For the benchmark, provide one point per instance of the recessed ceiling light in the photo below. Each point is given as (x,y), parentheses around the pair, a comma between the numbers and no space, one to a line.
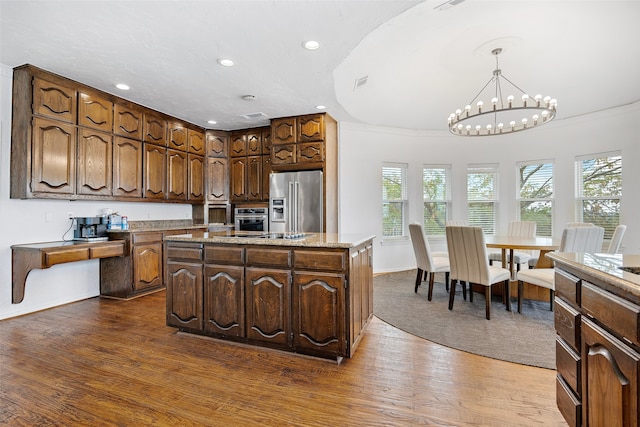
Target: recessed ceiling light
(122,86)
(311,45)
(321,107)
(212,122)
(225,62)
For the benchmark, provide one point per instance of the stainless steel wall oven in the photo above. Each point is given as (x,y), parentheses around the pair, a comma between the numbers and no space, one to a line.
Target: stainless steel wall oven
(251,219)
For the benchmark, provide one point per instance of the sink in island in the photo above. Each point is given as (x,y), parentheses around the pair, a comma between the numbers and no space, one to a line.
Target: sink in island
(309,294)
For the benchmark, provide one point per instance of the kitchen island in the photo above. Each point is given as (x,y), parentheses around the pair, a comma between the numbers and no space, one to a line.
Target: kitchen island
(597,320)
(310,294)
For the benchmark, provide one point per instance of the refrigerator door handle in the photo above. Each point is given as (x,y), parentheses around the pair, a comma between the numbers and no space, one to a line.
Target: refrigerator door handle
(296,187)
(291,208)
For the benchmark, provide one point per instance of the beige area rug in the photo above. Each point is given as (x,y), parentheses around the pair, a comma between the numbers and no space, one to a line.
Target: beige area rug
(527,338)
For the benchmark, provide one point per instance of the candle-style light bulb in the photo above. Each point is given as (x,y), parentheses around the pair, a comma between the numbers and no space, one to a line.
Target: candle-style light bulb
(510,99)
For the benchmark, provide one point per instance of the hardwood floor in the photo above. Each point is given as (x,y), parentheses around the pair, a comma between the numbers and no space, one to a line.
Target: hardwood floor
(108,362)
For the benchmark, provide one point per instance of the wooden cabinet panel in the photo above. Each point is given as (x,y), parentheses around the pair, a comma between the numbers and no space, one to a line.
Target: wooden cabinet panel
(217,144)
(310,152)
(94,162)
(155,129)
(217,179)
(320,260)
(65,255)
(272,257)
(266,140)
(54,100)
(224,300)
(254,178)
(95,112)
(195,177)
(311,128)
(567,323)
(184,295)
(177,175)
(283,154)
(266,171)
(238,144)
(224,255)
(238,179)
(319,313)
(54,157)
(195,142)
(254,143)
(567,287)
(268,295)
(154,171)
(147,266)
(568,365)
(127,167)
(283,131)
(127,122)
(569,405)
(177,137)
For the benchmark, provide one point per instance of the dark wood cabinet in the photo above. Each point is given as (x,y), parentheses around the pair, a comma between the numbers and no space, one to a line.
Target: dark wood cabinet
(176,175)
(195,178)
(223,298)
(127,121)
(184,295)
(238,144)
(254,178)
(154,129)
(311,128)
(217,144)
(195,142)
(177,136)
(147,264)
(94,162)
(95,112)
(254,142)
(217,180)
(238,169)
(54,157)
(268,313)
(246,171)
(266,171)
(54,100)
(304,142)
(127,167)
(284,131)
(155,180)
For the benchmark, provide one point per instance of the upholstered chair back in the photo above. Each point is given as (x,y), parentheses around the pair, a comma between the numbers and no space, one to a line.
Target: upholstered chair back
(421,248)
(582,239)
(468,254)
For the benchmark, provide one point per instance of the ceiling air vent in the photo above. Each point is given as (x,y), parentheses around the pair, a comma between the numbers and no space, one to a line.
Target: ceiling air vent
(360,82)
(254,116)
(446,5)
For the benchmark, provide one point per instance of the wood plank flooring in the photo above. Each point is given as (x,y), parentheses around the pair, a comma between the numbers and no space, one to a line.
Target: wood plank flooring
(115,363)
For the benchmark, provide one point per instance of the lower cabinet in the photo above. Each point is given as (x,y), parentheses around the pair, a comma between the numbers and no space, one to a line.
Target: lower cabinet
(307,300)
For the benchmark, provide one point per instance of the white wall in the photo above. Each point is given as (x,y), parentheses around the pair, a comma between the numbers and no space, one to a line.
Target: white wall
(29,221)
(364,148)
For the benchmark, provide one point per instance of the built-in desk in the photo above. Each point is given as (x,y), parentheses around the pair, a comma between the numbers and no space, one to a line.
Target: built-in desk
(27,257)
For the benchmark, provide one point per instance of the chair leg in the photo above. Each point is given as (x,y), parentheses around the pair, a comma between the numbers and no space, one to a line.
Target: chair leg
(551,297)
(487,294)
(430,294)
(418,280)
(520,291)
(507,285)
(446,281)
(464,291)
(452,292)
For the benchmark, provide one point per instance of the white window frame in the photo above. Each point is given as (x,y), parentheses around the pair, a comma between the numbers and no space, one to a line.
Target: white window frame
(403,201)
(541,231)
(489,227)
(442,197)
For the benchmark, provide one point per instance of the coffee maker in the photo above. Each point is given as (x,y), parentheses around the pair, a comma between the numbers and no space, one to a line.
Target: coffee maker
(90,229)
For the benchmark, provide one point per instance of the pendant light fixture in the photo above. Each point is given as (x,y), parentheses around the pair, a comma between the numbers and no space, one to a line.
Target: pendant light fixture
(501,116)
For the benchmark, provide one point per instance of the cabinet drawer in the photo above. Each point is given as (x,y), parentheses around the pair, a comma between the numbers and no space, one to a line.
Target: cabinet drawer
(568,287)
(67,255)
(190,252)
(146,237)
(107,251)
(270,257)
(316,260)
(568,365)
(620,316)
(567,323)
(224,255)
(568,404)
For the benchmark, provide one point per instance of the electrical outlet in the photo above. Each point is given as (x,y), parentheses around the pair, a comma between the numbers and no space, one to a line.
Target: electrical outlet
(70,215)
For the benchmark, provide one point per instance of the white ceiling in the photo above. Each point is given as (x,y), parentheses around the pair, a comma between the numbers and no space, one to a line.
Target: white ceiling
(421,63)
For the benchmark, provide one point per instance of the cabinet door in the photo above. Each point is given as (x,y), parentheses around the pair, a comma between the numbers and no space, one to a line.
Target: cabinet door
(217,179)
(309,152)
(360,291)
(195,142)
(266,171)
(217,144)
(238,179)
(238,144)
(254,143)
(147,266)
(283,131)
(268,295)
(254,178)
(177,137)
(127,122)
(54,100)
(155,130)
(95,112)
(196,177)
(283,154)
(266,141)
(184,295)
(224,300)
(311,128)
(177,175)
(610,375)
(319,313)
(127,167)
(94,162)
(54,157)
(154,171)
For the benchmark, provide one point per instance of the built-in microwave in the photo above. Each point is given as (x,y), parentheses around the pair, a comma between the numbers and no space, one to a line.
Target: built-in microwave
(251,219)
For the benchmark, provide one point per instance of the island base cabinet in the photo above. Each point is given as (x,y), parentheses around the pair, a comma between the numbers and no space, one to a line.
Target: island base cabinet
(184,296)
(268,314)
(611,374)
(224,300)
(318,314)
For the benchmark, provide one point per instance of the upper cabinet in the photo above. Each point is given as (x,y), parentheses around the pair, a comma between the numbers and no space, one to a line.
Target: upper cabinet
(283,131)
(302,142)
(71,141)
(217,143)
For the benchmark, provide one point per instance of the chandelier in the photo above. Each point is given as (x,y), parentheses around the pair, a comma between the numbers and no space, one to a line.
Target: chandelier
(500,117)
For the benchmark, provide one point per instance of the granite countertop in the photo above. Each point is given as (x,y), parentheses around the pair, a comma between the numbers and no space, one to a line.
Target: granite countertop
(605,267)
(314,240)
(160,225)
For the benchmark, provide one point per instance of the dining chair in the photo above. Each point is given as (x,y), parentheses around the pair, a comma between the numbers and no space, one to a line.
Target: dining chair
(534,261)
(616,239)
(517,229)
(427,261)
(574,239)
(469,263)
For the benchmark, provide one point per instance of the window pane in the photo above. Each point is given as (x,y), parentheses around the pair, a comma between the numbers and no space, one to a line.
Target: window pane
(483,215)
(535,195)
(540,212)
(435,218)
(392,219)
(436,194)
(482,193)
(603,213)
(394,199)
(602,177)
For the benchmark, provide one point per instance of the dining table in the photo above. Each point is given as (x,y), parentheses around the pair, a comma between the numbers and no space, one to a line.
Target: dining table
(511,243)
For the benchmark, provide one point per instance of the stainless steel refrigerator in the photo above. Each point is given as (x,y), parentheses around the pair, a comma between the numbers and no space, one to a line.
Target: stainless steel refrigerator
(296,202)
